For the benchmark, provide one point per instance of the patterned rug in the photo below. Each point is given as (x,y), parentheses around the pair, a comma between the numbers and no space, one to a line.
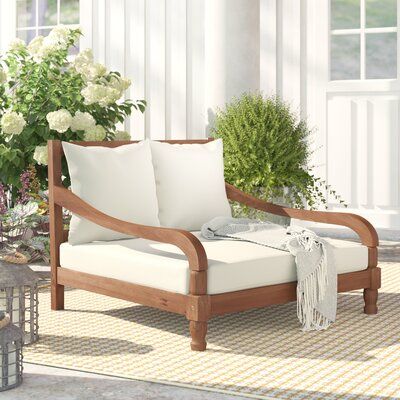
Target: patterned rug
(260,353)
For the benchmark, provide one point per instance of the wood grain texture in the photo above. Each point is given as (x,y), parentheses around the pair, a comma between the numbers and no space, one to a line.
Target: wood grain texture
(117,143)
(372,256)
(358,224)
(168,301)
(198,282)
(56,223)
(371,301)
(278,294)
(198,308)
(198,332)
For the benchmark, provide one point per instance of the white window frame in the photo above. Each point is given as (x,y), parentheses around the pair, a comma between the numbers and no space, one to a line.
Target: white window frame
(8,23)
(36,28)
(364,84)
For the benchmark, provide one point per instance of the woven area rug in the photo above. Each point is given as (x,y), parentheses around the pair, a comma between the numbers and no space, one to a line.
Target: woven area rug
(260,353)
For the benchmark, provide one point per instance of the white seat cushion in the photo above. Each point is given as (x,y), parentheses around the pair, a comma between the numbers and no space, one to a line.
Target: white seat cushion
(232,266)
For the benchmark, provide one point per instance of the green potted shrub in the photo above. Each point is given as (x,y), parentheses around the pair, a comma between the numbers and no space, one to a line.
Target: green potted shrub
(267,152)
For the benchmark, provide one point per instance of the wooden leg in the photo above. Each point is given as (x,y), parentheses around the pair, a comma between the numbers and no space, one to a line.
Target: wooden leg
(198,331)
(57,297)
(370,300)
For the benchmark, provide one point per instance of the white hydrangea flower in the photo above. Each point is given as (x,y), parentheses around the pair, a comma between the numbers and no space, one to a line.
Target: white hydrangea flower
(58,35)
(84,57)
(103,95)
(40,155)
(38,48)
(122,135)
(85,66)
(90,72)
(46,50)
(83,60)
(12,123)
(120,84)
(93,93)
(59,120)
(41,47)
(17,44)
(112,95)
(35,44)
(82,121)
(3,76)
(95,134)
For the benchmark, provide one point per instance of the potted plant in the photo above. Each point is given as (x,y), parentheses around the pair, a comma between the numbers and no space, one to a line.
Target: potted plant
(267,152)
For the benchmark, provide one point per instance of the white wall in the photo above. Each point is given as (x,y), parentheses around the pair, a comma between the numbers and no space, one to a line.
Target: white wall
(184,57)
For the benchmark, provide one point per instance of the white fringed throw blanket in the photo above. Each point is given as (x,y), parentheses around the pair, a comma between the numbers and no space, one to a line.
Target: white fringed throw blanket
(316,271)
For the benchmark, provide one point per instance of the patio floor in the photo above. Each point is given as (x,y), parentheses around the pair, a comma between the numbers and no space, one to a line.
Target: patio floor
(47,383)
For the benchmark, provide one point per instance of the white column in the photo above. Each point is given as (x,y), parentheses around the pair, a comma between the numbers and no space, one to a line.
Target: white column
(268,47)
(8,23)
(195,69)
(135,62)
(232,47)
(86,20)
(155,69)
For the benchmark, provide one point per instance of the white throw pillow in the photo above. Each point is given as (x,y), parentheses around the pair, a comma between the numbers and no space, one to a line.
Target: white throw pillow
(117,181)
(190,183)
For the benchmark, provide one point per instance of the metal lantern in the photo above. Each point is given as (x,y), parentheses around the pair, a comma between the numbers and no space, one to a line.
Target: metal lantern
(19,298)
(11,342)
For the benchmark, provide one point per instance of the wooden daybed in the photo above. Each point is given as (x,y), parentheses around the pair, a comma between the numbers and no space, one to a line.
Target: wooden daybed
(197,305)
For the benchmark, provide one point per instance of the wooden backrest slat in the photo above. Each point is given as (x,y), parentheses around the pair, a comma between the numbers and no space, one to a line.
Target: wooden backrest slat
(117,143)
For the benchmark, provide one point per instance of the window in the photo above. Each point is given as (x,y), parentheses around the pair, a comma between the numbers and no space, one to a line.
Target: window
(38,17)
(363,39)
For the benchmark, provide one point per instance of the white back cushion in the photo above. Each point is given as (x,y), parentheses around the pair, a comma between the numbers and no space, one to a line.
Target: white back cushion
(118,181)
(190,183)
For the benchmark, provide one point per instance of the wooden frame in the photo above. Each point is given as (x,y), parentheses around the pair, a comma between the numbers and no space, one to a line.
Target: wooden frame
(197,306)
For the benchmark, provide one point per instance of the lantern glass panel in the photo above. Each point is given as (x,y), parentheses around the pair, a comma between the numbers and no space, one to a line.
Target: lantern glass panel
(11,357)
(21,303)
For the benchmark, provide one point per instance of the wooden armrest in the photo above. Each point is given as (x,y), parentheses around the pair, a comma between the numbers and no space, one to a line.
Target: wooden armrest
(360,225)
(186,241)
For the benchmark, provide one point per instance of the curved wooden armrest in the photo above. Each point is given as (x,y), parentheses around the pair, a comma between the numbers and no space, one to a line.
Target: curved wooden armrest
(186,241)
(360,225)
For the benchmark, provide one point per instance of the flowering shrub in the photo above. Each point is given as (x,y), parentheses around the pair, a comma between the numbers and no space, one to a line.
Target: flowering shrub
(46,95)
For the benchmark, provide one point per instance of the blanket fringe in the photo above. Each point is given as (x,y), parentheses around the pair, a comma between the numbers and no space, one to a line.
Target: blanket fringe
(310,292)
